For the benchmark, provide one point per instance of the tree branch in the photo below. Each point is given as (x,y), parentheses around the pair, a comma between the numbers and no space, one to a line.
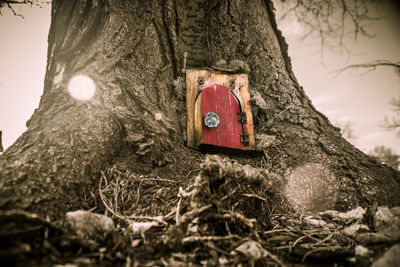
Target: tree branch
(331,20)
(370,66)
(10,3)
(393,124)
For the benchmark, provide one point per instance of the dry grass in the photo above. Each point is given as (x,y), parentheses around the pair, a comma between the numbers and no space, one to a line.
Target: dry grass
(221,213)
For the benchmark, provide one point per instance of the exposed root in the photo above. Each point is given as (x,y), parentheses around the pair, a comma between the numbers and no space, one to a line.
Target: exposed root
(191,239)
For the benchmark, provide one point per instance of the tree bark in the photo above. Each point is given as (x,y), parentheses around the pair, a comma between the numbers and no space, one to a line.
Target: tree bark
(133,50)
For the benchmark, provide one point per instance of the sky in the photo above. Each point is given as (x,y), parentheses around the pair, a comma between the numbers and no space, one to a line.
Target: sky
(354,96)
(23,56)
(362,100)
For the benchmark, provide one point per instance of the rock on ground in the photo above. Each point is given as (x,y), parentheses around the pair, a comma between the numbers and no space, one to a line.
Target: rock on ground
(387,223)
(390,259)
(89,225)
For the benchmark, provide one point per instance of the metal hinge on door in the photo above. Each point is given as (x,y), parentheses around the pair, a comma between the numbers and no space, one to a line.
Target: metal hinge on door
(242,117)
(245,139)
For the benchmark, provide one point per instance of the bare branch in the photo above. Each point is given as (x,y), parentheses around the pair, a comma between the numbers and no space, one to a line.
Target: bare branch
(10,3)
(375,64)
(393,124)
(331,20)
(370,66)
(13,11)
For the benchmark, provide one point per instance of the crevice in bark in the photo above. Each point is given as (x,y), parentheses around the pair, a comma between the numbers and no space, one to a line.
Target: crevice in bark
(193,28)
(171,25)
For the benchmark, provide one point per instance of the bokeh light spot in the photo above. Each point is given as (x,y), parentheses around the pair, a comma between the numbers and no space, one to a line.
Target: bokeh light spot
(81,87)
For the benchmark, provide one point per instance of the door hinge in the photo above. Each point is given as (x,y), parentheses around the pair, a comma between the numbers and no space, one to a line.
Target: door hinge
(242,117)
(245,139)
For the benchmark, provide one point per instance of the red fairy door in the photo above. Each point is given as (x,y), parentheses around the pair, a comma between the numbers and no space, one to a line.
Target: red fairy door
(219,117)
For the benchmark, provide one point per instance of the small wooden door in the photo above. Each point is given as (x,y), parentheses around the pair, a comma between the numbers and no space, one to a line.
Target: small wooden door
(221,103)
(225,100)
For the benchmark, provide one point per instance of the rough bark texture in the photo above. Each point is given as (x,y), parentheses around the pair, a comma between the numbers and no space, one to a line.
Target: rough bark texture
(133,50)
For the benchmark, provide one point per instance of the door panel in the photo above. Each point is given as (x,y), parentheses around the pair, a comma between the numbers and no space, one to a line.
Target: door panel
(220,100)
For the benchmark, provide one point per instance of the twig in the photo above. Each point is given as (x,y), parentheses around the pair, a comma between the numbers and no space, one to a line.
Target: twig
(178,207)
(116,191)
(228,230)
(298,240)
(170,214)
(323,240)
(165,262)
(188,216)
(184,193)
(138,192)
(275,258)
(228,195)
(276,116)
(277,231)
(191,239)
(159,219)
(319,249)
(311,235)
(12,9)
(120,216)
(187,175)
(237,216)
(160,179)
(254,196)
(370,65)
(104,201)
(211,245)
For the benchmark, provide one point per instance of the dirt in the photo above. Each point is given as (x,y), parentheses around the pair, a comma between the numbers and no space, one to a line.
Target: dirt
(194,210)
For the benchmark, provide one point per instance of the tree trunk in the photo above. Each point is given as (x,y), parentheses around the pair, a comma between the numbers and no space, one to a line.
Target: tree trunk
(133,50)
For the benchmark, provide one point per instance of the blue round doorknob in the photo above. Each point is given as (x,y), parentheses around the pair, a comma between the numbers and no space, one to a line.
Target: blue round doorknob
(211,120)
